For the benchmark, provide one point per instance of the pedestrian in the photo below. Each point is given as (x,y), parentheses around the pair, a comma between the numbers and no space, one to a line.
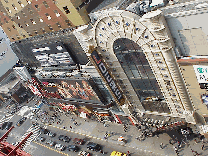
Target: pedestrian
(170,141)
(71,127)
(179,144)
(63,127)
(175,149)
(161,145)
(128,152)
(195,140)
(202,146)
(202,140)
(196,153)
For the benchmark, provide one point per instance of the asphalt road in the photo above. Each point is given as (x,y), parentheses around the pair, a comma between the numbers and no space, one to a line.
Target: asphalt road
(37,148)
(106,147)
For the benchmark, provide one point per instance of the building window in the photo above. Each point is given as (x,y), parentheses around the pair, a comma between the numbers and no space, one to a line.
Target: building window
(67,11)
(26,24)
(15,8)
(43,30)
(22,5)
(20,25)
(31,12)
(48,16)
(59,26)
(23,13)
(55,2)
(8,10)
(33,21)
(41,20)
(29,2)
(35,31)
(45,4)
(13,27)
(57,13)
(68,22)
(50,27)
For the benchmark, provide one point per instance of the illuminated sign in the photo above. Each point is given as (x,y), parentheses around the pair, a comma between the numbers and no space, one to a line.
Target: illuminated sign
(107,76)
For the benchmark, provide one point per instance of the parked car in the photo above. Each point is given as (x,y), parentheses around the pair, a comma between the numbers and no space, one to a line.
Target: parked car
(45,131)
(51,143)
(61,137)
(42,139)
(20,122)
(67,139)
(51,134)
(60,147)
(93,146)
(73,148)
(9,125)
(78,141)
(3,125)
(64,138)
(84,153)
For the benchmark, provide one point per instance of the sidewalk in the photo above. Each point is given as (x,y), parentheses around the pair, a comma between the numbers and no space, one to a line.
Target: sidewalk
(150,146)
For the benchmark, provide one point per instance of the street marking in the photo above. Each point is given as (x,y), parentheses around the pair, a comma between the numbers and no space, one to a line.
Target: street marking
(87,136)
(50,148)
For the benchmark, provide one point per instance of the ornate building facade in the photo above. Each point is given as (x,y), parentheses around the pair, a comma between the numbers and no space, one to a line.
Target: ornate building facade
(139,54)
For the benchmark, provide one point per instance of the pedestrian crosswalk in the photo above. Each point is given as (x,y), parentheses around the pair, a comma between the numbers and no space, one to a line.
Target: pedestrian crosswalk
(35,129)
(6,118)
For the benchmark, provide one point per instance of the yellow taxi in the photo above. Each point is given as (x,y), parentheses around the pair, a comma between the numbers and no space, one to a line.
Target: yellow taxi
(115,153)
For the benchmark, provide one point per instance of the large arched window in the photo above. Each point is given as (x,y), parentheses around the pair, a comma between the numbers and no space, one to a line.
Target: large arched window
(139,73)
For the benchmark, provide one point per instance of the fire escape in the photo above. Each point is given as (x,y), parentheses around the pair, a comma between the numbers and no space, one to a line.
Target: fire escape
(6,149)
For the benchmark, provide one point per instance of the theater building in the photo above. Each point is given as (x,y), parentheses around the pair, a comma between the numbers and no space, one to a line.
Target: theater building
(138,54)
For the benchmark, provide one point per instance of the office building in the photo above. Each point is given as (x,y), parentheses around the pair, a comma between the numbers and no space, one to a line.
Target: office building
(25,18)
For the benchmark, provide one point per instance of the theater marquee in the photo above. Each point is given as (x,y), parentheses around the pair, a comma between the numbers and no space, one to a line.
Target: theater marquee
(105,74)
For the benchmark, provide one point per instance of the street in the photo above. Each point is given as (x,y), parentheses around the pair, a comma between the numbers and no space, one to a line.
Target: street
(90,131)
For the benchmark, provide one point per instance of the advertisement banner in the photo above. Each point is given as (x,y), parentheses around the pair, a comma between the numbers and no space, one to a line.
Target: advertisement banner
(201,73)
(78,89)
(107,76)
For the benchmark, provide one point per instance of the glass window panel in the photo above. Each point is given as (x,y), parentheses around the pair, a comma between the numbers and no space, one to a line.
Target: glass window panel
(142,71)
(142,58)
(137,69)
(149,72)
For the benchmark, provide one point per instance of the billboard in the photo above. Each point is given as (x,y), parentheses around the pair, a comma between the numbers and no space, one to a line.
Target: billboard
(201,73)
(78,89)
(105,74)
(53,55)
